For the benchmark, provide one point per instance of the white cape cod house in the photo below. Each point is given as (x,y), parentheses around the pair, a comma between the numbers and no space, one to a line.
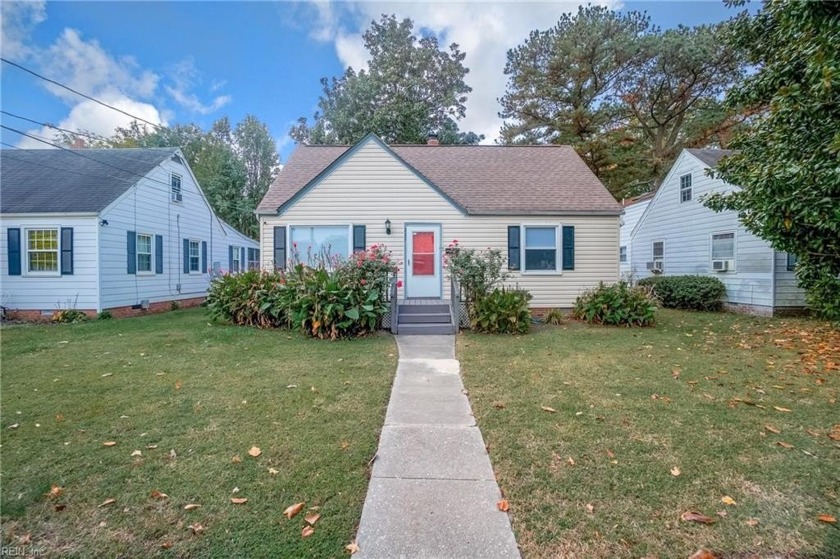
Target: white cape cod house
(125,230)
(540,205)
(678,235)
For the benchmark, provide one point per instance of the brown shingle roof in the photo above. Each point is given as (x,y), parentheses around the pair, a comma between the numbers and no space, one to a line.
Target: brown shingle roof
(494,180)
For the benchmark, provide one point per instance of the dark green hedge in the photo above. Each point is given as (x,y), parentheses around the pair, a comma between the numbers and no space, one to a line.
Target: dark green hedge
(696,293)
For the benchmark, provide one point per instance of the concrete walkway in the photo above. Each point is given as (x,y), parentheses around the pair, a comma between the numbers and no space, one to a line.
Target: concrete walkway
(432,492)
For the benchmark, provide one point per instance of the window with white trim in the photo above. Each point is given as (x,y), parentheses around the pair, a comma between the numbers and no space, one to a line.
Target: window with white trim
(319,243)
(144,253)
(42,251)
(685,188)
(540,246)
(195,256)
(235,261)
(723,246)
(792,259)
(659,251)
(622,254)
(175,183)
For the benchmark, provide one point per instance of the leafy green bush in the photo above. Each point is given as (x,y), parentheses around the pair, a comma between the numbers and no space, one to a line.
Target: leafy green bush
(554,316)
(331,299)
(697,293)
(104,315)
(174,305)
(502,311)
(69,316)
(477,272)
(617,304)
(251,298)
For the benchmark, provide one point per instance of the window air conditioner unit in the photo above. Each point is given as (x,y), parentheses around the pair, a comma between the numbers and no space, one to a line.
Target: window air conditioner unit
(655,266)
(721,265)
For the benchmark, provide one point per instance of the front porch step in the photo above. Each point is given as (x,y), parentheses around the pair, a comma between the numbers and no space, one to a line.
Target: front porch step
(424,308)
(425,318)
(424,329)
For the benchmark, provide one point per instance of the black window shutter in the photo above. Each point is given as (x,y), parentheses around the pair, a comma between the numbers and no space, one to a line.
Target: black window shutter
(186,256)
(359,242)
(568,247)
(66,251)
(158,254)
(13,236)
(514,232)
(279,248)
(203,257)
(230,258)
(131,243)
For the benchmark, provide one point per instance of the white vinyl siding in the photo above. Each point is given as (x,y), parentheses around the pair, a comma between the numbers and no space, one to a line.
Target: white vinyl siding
(52,291)
(632,213)
(686,228)
(788,292)
(144,253)
(372,186)
(42,251)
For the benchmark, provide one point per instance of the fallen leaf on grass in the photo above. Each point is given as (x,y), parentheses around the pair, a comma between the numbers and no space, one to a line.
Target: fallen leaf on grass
(156,494)
(196,528)
(772,429)
(55,491)
(499,405)
(14,425)
(166,545)
(109,443)
(273,472)
(727,500)
(548,409)
(25,539)
(107,502)
(191,506)
(827,518)
(503,505)
(307,531)
(777,408)
(571,461)
(136,453)
(291,511)
(254,451)
(697,517)
(590,507)
(344,445)
(610,453)
(675,471)
(236,460)
(178,385)
(106,375)
(151,446)
(352,547)
(722,513)
(703,554)
(312,518)
(784,444)
(751,522)
(834,434)
(238,500)
(812,432)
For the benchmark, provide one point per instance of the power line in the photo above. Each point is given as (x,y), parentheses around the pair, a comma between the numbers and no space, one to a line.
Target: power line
(95,100)
(54,127)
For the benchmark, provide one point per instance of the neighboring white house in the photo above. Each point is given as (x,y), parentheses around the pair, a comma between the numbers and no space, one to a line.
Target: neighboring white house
(678,235)
(633,210)
(541,205)
(117,229)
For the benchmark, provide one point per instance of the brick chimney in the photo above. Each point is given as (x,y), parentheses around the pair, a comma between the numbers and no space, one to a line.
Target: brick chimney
(432,140)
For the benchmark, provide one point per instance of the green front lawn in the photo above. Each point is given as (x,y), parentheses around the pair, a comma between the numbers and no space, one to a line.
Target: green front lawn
(192,398)
(699,394)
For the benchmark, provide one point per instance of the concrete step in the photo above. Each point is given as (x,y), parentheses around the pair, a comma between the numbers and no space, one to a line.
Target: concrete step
(418,318)
(424,308)
(423,329)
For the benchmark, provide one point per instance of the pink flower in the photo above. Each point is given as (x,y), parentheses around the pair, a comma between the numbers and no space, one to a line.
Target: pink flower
(363,282)
(399,283)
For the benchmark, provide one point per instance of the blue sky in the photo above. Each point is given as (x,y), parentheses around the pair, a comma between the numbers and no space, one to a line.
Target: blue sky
(179,62)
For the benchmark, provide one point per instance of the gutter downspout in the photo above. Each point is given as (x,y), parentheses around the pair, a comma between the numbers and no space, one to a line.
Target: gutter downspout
(773,281)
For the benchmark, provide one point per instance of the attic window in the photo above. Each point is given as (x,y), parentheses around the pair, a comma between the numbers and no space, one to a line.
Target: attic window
(177,159)
(175,183)
(685,188)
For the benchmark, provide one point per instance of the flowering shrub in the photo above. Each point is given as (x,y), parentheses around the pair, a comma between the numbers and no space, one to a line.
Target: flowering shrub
(477,272)
(333,298)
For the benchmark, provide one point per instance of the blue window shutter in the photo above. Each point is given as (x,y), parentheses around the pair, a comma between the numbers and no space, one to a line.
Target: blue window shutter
(514,233)
(203,257)
(66,251)
(279,248)
(230,258)
(158,254)
(568,247)
(131,243)
(243,264)
(13,236)
(359,242)
(186,256)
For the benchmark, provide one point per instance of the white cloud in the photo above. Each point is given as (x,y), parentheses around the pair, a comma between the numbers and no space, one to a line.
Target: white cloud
(89,116)
(484,30)
(184,76)
(17,20)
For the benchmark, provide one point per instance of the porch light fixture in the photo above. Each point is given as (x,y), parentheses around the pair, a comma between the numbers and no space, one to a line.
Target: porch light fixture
(387,226)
